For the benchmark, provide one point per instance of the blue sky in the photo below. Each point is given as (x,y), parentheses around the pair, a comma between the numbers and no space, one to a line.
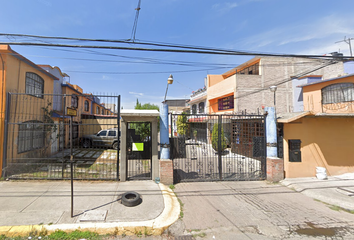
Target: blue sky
(272,26)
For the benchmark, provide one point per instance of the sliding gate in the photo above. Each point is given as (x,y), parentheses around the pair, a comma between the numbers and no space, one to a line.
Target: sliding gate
(218,147)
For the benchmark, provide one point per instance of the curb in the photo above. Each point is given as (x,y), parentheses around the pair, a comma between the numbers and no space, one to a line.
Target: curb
(156,226)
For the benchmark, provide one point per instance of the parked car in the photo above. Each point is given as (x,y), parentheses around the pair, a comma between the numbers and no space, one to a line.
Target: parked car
(104,138)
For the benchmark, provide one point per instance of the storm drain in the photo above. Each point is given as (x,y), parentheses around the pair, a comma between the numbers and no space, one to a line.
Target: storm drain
(94,216)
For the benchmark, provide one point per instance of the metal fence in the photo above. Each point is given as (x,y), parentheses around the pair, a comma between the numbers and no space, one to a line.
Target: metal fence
(218,147)
(41,138)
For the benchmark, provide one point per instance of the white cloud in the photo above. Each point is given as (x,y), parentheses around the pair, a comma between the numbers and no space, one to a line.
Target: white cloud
(225,7)
(136,94)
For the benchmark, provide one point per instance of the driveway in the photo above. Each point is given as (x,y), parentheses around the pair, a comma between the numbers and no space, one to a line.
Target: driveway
(258,210)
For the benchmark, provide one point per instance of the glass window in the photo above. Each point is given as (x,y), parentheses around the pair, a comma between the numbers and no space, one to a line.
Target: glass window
(97,110)
(31,136)
(112,133)
(226,103)
(87,106)
(102,111)
(339,92)
(102,133)
(34,85)
(201,107)
(194,109)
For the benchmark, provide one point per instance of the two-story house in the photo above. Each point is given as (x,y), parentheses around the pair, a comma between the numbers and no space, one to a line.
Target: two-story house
(246,87)
(25,109)
(322,134)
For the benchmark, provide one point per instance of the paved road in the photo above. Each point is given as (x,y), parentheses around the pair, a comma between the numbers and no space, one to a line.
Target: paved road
(258,210)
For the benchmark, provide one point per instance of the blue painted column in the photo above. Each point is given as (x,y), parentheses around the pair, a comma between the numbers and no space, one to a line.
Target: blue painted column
(164,136)
(271,130)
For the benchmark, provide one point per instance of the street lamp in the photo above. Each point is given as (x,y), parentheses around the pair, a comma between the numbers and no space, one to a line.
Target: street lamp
(273,89)
(169,81)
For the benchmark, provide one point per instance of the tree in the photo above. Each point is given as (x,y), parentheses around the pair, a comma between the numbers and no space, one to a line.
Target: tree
(182,125)
(215,138)
(143,129)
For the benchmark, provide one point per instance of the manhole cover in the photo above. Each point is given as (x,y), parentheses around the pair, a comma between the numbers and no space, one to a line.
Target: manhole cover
(94,216)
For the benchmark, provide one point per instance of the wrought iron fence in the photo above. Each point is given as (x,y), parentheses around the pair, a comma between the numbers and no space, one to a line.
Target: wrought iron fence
(41,136)
(218,147)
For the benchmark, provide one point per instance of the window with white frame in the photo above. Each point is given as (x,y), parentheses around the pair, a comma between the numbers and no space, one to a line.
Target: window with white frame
(339,92)
(194,109)
(34,85)
(201,107)
(30,136)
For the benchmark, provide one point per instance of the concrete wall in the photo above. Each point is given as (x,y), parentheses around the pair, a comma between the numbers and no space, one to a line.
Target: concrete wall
(325,142)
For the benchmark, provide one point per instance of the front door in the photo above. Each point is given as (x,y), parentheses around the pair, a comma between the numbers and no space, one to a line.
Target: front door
(139,151)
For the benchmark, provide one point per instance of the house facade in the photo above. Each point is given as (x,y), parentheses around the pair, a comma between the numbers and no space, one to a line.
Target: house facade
(321,135)
(20,75)
(246,87)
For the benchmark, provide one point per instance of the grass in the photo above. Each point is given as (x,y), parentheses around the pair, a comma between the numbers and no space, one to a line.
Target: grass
(335,207)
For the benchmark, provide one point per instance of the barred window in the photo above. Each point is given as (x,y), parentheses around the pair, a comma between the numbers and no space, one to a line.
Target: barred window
(87,106)
(34,85)
(201,107)
(339,92)
(31,136)
(194,109)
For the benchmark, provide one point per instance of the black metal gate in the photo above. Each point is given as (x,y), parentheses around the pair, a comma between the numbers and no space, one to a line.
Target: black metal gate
(41,136)
(139,154)
(218,147)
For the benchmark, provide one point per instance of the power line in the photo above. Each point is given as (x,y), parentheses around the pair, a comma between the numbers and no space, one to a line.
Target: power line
(191,49)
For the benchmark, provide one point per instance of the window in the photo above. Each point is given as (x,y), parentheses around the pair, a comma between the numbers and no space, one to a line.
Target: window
(339,92)
(102,111)
(102,133)
(74,101)
(251,70)
(294,150)
(34,85)
(226,103)
(75,130)
(31,136)
(97,110)
(201,107)
(87,106)
(194,109)
(112,133)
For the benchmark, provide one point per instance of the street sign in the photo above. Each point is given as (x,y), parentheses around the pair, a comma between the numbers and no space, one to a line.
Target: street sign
(70,111)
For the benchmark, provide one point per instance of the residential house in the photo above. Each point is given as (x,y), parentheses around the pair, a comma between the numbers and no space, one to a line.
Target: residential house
(321,135)
(245,88)
(25,109)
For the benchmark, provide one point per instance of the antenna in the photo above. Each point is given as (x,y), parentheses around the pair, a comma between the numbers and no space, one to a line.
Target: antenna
(347,40)
(132,38)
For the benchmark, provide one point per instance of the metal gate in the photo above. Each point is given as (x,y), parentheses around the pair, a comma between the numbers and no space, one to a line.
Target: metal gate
(218,147)
(43,131)
(139,154)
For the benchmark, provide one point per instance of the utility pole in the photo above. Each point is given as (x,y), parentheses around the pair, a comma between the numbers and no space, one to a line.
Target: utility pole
(347,40)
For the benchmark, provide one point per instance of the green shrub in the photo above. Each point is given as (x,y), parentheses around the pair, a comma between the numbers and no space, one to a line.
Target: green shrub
(215,137)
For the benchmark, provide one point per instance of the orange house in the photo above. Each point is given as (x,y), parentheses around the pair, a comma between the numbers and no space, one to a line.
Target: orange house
(20,75)
(322,135)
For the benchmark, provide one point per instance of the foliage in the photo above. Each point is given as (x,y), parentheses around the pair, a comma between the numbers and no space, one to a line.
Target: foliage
(143,129)
(215,138)
(77,234)
(182,125)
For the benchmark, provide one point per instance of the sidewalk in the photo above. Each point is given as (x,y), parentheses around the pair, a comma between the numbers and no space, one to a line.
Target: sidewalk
(25,206)
(336,190)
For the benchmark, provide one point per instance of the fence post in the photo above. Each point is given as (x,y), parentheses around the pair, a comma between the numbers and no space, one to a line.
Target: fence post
(7,116)
(219,146)
(119,135)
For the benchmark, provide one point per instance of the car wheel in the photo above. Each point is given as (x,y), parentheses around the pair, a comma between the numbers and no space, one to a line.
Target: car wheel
(86,143)
(115,145)
(131,199)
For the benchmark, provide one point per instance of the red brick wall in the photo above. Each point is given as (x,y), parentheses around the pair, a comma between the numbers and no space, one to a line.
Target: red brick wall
(275,169)
(166,172)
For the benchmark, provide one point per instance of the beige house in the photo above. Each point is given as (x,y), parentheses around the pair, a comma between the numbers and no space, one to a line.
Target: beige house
(322,135)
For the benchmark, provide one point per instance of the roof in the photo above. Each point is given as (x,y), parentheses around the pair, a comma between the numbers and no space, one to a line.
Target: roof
(240,67)
(290,117)
(327,80)
(7,49)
